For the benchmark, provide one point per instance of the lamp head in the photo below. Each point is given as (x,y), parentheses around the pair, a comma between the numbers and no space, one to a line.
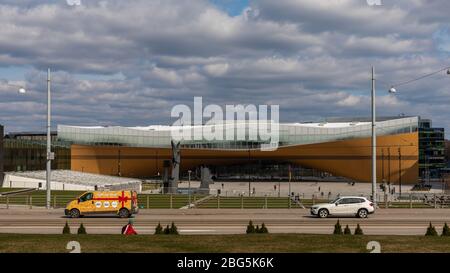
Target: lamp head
(392,90)
(22,90)
(448,71)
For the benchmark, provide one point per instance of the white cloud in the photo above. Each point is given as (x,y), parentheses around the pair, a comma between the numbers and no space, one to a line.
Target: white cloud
(295,53)
(349,101)
(217,70)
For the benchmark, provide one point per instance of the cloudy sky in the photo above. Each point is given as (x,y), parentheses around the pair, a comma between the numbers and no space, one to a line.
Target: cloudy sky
(127,63)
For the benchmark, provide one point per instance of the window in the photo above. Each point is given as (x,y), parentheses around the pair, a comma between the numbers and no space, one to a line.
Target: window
(345,201)
(88,196)
(335,200)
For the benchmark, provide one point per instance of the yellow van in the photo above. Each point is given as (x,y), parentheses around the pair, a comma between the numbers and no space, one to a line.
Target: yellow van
(122,203)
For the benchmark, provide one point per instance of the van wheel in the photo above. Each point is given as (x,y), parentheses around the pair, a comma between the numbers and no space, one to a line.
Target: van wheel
(323,213)
(124,213)
(74,213)
(362,213)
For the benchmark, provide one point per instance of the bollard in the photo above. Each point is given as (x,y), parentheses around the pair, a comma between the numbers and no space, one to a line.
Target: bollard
(148,201)
(385,201)
(171,202)
(435,205)
(410,201)
(289,200)
(265,202)
(54,201)
(7,202)
(242,202)
(218,201)
(31,202)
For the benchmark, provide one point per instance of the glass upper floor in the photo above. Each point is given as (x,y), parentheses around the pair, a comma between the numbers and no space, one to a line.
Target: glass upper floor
(236,135)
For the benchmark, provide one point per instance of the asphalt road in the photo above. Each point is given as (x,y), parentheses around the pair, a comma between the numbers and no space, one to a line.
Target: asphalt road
(224,221)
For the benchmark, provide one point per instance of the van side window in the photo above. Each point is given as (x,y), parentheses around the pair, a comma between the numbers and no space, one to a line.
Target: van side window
(88,196)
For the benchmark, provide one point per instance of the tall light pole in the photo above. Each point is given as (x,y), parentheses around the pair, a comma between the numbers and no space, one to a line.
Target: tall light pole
(50,155)
(374,143)
(189,179)
(290,175)
(393,90)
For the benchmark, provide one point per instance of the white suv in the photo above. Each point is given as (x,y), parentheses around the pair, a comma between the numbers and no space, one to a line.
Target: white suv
(345,205)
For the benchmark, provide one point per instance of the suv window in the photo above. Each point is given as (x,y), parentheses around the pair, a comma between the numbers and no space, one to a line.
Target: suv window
(356,200)
(88,196)
(344,201)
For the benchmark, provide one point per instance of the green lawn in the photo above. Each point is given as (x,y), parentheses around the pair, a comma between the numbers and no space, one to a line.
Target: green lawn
(38,197)
(163,201)
(222,243)
(61,198)
(249,203)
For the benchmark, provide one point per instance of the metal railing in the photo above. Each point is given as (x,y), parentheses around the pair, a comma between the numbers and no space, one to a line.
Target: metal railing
(219,201)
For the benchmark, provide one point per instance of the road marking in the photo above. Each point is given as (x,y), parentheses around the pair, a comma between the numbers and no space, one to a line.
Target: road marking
(198,230)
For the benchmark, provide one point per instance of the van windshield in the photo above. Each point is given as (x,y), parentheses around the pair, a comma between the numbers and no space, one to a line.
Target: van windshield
(85,197)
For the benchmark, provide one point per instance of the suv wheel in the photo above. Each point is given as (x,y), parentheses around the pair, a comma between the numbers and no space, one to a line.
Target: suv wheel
(74,213)
(323,213)
(124,213)
(362,213)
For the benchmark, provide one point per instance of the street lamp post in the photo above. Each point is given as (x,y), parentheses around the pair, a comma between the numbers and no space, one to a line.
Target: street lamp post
(50,155)
(400,171)
(374,143)
(189,179)
(393,90)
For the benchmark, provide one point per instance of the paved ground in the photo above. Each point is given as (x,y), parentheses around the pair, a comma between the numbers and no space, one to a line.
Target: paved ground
(305,189)
(225,221)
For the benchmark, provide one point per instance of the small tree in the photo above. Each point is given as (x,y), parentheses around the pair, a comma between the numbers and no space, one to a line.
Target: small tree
(250,227)
(347,230)
(263,229)
(173,229)
(445,230)
(66,229)
(337,229)
(358,230)
(81,229)
(167,230)
(431,231)
(159,229)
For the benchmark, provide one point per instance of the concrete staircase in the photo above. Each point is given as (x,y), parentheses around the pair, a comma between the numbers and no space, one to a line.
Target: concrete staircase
(198,202)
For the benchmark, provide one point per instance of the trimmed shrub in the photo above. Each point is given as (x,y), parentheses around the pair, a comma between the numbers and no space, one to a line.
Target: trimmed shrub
(263,229)
(347,230)
(66,229)
(431,231)
(445,230)
(81,229)
(250,227)
(173,229)
(167,230)
(358,230)
(159,229)
(257,230)
(337,229)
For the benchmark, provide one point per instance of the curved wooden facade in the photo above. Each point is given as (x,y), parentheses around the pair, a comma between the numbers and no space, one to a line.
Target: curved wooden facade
(347,158)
